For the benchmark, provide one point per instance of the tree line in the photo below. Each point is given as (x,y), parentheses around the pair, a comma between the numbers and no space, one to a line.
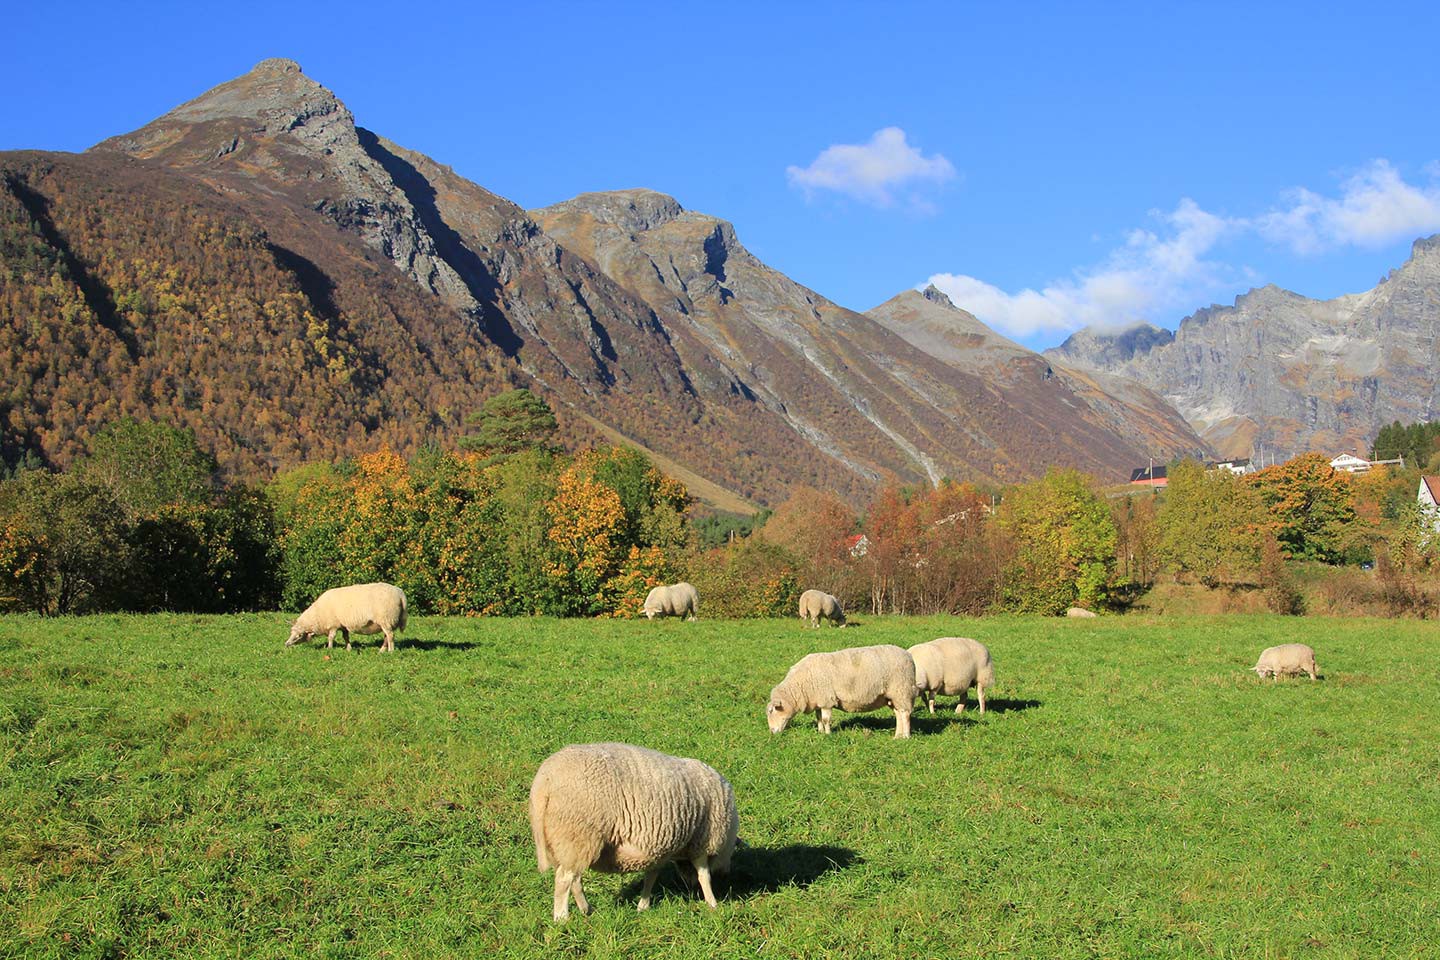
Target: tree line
(509,525)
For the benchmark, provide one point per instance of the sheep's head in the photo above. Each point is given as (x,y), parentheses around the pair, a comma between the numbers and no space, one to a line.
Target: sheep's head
(778,712)
(297,635)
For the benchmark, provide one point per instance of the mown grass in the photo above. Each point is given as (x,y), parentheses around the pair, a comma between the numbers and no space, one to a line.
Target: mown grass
(186,786)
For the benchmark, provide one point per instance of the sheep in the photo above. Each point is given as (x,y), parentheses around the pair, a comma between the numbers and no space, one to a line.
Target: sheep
(1288,658)
(1079,612)
(675,600)
(363,608)
(857,679)
(617,808)
(817,604)
(952,665)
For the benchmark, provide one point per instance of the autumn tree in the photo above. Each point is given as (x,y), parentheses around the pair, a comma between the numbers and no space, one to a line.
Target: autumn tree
(1137,539)
(1209,524)
(1310,504)
(1064,544)
(815,527)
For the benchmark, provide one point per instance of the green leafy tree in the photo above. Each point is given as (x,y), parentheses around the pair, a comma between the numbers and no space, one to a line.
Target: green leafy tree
(206,558)
(69,543)
(1209,524)
(508,423)
(147,466)
(1064,543)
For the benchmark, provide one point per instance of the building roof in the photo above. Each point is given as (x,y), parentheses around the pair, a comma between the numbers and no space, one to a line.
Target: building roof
(1147,474)
(1433,485)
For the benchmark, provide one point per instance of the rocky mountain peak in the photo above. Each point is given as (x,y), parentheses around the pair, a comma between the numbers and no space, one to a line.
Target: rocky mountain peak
(1099,349)
(1426,249)
(935,295)
(276,65)
(275,98)
(633,211)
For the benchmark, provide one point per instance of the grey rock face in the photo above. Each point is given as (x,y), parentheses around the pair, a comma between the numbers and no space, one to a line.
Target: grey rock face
(1104,350)
(295,130)
(1288,372)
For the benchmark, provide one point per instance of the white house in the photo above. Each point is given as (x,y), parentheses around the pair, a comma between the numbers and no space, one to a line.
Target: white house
(1429,497)
(1238,467)
(1350,464)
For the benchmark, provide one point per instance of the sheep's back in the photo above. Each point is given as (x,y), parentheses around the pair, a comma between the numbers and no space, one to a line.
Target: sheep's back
(864,676)
(1286,655)
(626,807)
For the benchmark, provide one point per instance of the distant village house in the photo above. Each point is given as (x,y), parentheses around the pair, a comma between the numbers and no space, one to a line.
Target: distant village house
(1149,476)
(1429,498)
(1237,467)
(1353,464)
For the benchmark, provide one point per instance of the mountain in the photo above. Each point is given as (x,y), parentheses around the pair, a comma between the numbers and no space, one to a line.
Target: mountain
(1111,419)
(255,265)
(858,386)
(1287,372)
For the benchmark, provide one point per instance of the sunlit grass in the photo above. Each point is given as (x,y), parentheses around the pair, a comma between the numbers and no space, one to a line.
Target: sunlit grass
(186,786)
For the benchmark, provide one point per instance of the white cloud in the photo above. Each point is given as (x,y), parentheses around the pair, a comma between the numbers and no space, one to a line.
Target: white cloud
(1170,269)
(871,172)
(1376,207)
(1152,271)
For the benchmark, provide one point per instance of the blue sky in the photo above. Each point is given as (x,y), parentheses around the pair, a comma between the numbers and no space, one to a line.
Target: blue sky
(1124,162)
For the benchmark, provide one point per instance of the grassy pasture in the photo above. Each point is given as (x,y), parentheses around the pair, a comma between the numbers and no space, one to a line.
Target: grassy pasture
(186,786)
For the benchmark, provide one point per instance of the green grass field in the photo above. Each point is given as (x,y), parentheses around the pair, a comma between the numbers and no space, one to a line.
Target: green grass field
(187,786)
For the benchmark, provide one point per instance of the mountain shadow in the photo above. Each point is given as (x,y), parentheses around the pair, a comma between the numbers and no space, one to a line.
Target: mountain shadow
(448,244)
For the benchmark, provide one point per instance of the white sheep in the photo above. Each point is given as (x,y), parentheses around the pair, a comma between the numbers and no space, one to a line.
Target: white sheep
(857,679)
(1288,658)
(952,665)
(363,608)
(817,604)
(1079,612)
(675,600)
(618,808)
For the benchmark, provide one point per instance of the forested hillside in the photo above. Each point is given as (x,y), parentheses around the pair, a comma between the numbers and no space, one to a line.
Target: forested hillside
(127,292)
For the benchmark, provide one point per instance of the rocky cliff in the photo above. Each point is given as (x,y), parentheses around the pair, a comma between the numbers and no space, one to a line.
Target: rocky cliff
(1289,372)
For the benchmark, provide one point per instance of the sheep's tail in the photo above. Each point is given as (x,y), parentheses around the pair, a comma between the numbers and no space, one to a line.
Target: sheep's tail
(404,611)
(987,675)
(539,799)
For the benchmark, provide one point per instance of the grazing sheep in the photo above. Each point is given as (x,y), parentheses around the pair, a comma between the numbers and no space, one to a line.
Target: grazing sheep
(857,679)
(1288,658)
(676,600)
(1079,612)
(817,604)
(952,665)
(618,808)
(363,608)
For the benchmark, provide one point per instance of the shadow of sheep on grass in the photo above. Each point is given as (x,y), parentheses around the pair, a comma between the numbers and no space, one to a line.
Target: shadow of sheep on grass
(755,870)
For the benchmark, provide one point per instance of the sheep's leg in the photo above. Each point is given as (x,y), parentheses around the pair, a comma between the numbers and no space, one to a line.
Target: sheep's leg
(581,903)
(824,724)
(902,725)
(702,870)
(330,643)
(389,645)
(344,632)
(562,893)
(649,885)
(930,701)
(980,695)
